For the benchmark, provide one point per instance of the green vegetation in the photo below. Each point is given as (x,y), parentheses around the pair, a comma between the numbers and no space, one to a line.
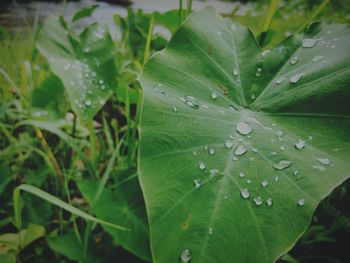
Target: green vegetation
(220,147)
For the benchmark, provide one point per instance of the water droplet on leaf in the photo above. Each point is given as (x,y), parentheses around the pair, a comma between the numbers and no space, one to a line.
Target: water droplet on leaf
(309,42)
(201,165)
(324,161)
(258,200)
(228,144)
(243,128)
(264,183)
(301,202)
(213,172)
(245,193)
(210,231)
(269,201)
(197,183)
(280,80)
(88,103)
(299,144)
(240,150)
(190,101)
(283,164)
(294,60)
(258,72)
(295,78)
(185,255)
(214,96)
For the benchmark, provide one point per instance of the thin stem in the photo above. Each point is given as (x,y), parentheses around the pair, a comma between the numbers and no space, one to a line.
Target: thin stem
(180,12)
(189,7)
(148,41)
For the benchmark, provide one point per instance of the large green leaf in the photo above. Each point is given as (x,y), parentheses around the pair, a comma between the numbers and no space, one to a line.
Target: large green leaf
(208,88)
(85,64)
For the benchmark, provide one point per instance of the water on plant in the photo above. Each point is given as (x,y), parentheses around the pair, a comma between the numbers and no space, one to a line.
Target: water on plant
(245,193)
(294,60)
(300,144)
(185,255)
(258,200)
(324,161)
(309,42)
(190,102)
(264,183)
(283,164)
(301,202)
(201,165)
(197,183)
(240,150)
(243,128)
(295,78)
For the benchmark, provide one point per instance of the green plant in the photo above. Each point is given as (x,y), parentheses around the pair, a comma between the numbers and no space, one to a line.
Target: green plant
(239,145)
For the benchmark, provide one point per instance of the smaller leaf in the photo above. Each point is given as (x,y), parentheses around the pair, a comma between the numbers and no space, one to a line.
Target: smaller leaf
(85,12)
(48,91)
(69,246)
(32,233)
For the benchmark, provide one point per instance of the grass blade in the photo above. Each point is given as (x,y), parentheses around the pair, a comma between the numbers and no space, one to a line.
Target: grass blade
(57,202)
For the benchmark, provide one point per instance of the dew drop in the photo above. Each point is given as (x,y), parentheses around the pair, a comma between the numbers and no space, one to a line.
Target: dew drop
(213,172)
(294,60)
(228,144)
(175,109)
(235,72)
(295,78)
(252,96)
(201,165)
(265,52)
(194,153)
(283,164)
(241,174)
(245,193)
(264,183)
(324,161)
(280,80)
(101,81)
(211,151)
(197,183)
(190,101)
(248,181)
(158,88)
(185,255)
(301,202)
(240,150)
(258,72)
(299,144)
(243,128)
(277,179)
(214,96)
(210,231)
(258,200)
(309,42)
(318,167)
(269,201)
(279,134)
(317,58)
(255,150)
(88,103)
(282,148)
(234,158)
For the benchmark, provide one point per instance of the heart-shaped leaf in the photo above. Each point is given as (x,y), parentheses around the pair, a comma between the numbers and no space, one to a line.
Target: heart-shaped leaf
(85,64)
(239,145)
